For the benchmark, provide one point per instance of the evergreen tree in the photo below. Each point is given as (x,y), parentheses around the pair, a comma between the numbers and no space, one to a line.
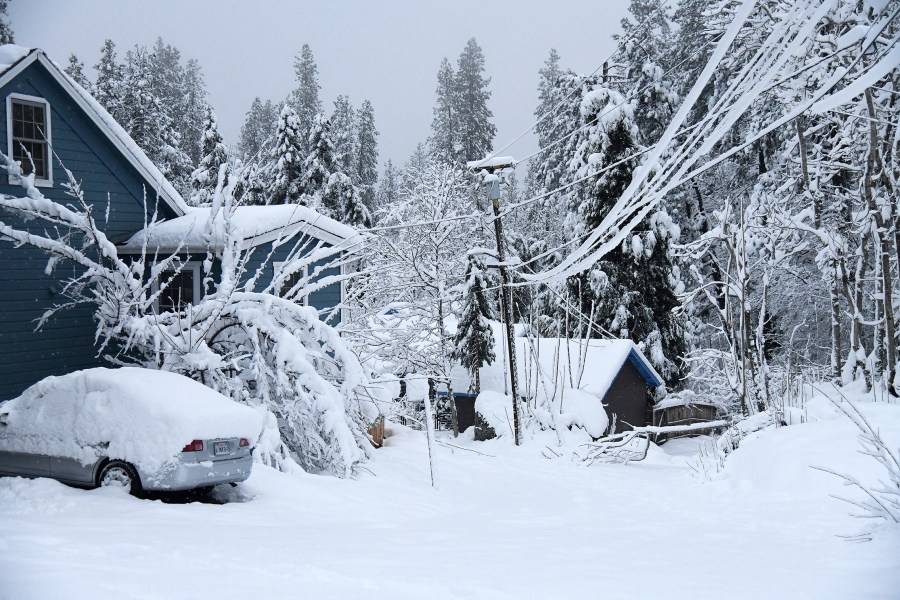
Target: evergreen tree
(560,116)
(548,100)
(142,113)
(476,132)
(75,70)
(318,166)
(258,129)
(389,189)
(305,97)
(205,177)
(6,32)
(165,76)
(643,57)
(341,201)
(366,154)
(343,134)
(108,90)
(473,344)
(444,141)
(630,290)
(191,114)
(286,162)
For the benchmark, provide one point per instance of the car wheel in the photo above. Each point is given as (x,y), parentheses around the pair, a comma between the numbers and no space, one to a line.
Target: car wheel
(116,473)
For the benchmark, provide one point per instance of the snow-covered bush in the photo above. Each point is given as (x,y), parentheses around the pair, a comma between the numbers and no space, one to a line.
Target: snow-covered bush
(248,343)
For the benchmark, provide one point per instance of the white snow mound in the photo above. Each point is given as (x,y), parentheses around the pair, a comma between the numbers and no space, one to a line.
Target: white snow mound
(585,410)
(145,416)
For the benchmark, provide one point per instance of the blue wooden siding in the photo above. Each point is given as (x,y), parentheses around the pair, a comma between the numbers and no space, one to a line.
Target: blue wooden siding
(66,343)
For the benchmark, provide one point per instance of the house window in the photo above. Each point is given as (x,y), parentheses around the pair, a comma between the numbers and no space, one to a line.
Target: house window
(28,127)
(292,280)
(182,288)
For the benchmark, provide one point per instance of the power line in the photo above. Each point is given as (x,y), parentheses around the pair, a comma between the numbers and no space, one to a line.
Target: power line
(577,87)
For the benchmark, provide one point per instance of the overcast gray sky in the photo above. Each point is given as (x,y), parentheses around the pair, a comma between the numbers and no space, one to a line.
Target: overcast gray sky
(387,52)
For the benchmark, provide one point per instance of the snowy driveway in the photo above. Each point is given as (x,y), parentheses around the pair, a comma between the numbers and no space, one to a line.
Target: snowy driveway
(509,525)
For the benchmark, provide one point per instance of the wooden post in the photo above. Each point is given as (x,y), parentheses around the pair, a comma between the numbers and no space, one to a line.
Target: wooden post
(506,307)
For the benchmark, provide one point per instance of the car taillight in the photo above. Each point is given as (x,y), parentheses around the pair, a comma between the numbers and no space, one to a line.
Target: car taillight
(195,446)
(245,442)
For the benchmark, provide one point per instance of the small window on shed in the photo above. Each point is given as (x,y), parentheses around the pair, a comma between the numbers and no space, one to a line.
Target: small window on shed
(182,288)
(28,127)
(292,280)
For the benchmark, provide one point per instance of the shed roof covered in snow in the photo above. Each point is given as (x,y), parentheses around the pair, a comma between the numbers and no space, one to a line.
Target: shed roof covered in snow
(546,364)
(254,225)
(15,59)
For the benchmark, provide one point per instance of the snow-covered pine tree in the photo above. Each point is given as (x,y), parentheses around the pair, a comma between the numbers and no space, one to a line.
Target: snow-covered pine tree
(549,98)
(473,344)
(331,189)
(318,166)
(443,144)
(630,290)
(6,32)
(189,120)
(366,154)
(108,89)
(344,133)
(75,70)
(559,116)
(643,55)
(147,121)
(389,188)
(258,130)
(166,76)
(476,132)
(215,154)
(286,170)
(142,113)
(305,97)
(342,201)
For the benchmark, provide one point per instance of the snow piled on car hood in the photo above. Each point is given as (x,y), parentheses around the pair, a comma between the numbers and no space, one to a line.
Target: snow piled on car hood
(145,416)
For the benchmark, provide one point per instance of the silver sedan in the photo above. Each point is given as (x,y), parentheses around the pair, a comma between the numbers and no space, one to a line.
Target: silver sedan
(135,428)
(201,464)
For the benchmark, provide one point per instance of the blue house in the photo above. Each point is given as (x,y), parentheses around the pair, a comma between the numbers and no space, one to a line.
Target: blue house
(55,120)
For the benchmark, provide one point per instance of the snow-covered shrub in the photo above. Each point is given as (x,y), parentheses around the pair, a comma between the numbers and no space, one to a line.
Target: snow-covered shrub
(252,345)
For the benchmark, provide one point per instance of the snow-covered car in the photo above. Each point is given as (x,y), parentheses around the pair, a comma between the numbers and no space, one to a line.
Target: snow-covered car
(131,427)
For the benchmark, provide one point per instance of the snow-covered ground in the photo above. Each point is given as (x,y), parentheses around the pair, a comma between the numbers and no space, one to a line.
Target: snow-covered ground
(503,523)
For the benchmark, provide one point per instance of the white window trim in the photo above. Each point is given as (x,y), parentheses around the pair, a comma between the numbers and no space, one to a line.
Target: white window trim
(192,265)
(345,310)
(48,182)
(277,266)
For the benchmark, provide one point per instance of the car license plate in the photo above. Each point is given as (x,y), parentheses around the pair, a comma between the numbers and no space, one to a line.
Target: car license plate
(221,448)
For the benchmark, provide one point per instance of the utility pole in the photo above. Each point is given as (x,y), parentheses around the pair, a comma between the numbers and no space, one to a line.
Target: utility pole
(491,168)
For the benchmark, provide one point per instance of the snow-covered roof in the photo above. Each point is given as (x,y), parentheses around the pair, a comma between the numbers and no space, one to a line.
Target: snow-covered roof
(14,59)
(254,225)
(545,364)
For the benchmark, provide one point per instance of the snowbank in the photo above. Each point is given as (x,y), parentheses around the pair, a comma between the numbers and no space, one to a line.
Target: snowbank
(585,410)
(496,409)
(146,417)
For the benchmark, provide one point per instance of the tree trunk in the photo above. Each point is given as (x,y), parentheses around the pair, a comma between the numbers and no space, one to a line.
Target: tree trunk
(880,236)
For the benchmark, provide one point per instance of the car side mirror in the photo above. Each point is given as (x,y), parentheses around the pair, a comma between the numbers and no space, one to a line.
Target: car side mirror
(3,419)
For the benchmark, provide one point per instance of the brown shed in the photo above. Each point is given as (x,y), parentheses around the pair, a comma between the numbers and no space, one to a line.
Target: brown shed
(615,371)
